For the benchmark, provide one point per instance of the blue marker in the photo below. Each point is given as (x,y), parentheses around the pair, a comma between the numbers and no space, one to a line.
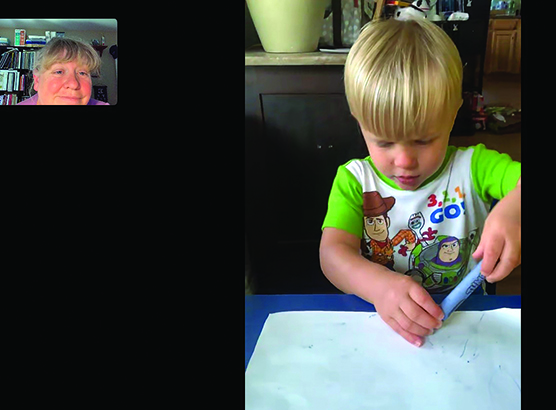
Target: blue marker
(462,291)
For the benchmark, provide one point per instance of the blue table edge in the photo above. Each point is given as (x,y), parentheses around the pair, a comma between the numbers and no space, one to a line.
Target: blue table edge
(258,307)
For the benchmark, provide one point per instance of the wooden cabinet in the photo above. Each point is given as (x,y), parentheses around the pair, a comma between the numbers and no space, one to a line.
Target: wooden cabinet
(504,46)
(298,131)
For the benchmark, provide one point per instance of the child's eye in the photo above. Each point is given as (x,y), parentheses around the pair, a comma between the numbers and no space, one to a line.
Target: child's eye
(83,73)
(384,144)
(423,142)
(57,72)
(427,140)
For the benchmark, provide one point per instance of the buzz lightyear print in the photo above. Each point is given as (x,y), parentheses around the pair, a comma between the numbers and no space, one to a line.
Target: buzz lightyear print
(441,264)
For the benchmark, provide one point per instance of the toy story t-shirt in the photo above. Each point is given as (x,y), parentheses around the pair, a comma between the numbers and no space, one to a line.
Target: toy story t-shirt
(430,233)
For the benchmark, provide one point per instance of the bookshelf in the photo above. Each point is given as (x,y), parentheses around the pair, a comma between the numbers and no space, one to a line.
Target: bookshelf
(20,62)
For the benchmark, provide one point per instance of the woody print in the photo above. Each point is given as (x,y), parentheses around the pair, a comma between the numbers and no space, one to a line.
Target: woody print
(377,246)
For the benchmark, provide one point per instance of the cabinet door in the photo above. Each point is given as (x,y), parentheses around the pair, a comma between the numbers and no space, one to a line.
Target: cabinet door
(516,68)
(297,134)
(307,137)
(503,46)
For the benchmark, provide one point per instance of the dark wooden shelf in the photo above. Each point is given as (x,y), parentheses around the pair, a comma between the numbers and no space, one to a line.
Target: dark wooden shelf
(99,49)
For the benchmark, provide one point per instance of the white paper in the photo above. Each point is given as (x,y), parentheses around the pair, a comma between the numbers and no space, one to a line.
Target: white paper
(353,360)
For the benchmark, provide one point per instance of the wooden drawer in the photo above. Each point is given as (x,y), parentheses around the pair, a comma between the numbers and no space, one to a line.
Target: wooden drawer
(503,24)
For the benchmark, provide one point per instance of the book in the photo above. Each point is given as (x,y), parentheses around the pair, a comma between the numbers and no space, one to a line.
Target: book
(18,59)
(3,80)
(33,39)
(7,59)
(10,84)
(9,99)
(11,80)
(19,37)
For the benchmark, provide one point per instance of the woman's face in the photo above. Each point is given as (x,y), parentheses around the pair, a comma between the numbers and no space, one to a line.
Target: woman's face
(64,84)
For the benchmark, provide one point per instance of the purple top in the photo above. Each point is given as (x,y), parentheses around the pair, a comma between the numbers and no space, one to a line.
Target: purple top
(33,101)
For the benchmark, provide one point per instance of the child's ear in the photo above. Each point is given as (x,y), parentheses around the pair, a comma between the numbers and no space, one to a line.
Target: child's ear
(456,111)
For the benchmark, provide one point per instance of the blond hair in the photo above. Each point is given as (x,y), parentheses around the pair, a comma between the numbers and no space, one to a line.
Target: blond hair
(63,50)
(403,78)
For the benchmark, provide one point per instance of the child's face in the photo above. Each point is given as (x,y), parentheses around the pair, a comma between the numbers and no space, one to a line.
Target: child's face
(410,162)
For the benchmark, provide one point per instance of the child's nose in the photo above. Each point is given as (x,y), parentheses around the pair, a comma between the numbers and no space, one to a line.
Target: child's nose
(406,158)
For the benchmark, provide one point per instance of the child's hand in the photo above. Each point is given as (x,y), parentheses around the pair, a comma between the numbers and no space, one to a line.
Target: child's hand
(500,246)
(408,308)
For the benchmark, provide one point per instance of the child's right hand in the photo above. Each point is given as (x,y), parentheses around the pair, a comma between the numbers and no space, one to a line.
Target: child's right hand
(408,308)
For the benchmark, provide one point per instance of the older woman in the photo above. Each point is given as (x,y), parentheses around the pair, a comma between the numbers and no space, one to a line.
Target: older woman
(62,74)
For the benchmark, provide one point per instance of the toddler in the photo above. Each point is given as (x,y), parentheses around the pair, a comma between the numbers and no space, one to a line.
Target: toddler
(413,217)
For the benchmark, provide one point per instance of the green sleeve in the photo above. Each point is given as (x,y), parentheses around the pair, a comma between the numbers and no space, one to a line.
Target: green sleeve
(494,174)
(345,204)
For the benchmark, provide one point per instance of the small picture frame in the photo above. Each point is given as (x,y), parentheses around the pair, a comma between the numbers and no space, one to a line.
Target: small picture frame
(100,93)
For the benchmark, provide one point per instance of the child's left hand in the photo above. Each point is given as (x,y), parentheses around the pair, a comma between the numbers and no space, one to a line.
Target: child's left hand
(500,246)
